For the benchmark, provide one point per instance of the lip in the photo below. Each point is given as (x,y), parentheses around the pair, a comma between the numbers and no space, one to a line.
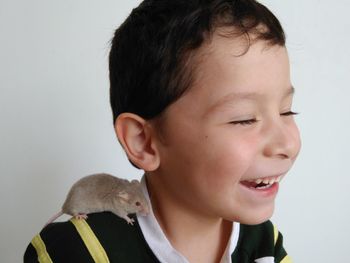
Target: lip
(264,193)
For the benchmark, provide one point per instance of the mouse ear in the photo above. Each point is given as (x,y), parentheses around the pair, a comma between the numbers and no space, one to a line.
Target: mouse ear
(124,195)
(135,182)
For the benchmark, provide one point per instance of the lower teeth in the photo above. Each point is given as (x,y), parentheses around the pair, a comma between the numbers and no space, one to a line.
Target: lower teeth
(264,187)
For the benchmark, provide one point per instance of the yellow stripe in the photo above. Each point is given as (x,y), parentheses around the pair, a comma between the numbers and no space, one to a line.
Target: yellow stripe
(39,245)
(286,259)
(91,242)
(275,234)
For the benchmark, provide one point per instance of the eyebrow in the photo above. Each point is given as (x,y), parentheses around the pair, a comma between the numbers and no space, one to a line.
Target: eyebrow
(246,96)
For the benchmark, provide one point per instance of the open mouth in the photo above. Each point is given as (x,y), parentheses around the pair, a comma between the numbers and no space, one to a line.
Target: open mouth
(262,183)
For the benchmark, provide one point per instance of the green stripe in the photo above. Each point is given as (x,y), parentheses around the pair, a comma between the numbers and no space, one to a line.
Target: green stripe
(275,234)
(39,245)
(287,259)
(90,240)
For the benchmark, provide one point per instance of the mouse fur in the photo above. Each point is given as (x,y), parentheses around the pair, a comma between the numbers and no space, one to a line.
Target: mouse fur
(104,192)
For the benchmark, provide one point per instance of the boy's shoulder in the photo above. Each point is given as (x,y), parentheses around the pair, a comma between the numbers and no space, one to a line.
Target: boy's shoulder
(260,241)
(102,237)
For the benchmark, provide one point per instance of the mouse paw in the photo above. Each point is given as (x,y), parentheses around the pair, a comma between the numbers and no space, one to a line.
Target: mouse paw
(129,220)
(81,216)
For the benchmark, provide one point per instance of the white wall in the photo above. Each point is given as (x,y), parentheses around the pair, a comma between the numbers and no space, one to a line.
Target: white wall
(56,123)
(313,205)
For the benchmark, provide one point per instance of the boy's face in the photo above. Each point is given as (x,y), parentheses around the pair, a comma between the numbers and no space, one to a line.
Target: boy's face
(207,156)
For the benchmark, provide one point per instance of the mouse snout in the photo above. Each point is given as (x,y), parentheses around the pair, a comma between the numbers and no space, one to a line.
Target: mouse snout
(144,211)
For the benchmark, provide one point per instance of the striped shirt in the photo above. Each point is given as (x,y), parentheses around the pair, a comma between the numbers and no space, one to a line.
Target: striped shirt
(104,237)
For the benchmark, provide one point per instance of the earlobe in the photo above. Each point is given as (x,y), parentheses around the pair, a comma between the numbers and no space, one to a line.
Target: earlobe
(135,135)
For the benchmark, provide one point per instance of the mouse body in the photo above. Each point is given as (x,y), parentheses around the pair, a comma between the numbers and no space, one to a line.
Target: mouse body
(104,192)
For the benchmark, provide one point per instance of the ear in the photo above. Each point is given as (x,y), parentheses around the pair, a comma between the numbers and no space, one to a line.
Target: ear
(137,138)
(124,196)
(135,182)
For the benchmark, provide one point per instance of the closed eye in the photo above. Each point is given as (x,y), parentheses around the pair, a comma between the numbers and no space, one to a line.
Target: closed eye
(288,113)
(245,122)
(252,121)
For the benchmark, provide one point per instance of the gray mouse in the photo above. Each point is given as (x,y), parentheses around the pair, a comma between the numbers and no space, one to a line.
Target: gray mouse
(104,192)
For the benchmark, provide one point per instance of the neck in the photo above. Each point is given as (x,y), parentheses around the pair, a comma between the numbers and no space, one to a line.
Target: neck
(198,237)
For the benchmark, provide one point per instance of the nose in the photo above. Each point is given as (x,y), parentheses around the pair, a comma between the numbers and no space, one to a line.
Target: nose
(282,139)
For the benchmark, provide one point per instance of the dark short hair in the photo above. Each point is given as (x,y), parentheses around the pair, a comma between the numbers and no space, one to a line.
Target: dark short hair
(150,59)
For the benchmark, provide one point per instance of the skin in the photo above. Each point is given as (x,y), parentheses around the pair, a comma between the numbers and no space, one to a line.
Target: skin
(194,172)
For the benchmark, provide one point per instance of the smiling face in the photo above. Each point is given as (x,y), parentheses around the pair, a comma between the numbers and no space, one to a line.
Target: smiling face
(212,144)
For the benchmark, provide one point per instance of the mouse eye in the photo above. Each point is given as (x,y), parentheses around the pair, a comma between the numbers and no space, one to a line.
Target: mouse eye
(137,203)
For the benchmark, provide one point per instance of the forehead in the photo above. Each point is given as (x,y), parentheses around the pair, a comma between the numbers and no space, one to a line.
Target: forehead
(238,56)
(225,66)
(225,73)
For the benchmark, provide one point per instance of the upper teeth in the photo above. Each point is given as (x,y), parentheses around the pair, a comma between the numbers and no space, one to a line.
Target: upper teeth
(267,180)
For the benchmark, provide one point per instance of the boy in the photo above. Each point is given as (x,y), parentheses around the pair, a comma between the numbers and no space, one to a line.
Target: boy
(201,99)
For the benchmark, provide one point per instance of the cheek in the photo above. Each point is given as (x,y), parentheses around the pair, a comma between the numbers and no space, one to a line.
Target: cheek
(229,159)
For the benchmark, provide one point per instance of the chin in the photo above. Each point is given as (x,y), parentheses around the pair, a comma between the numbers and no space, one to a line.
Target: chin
(254,216)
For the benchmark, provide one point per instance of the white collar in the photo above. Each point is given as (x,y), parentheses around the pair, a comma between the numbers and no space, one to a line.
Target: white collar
(161,246)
